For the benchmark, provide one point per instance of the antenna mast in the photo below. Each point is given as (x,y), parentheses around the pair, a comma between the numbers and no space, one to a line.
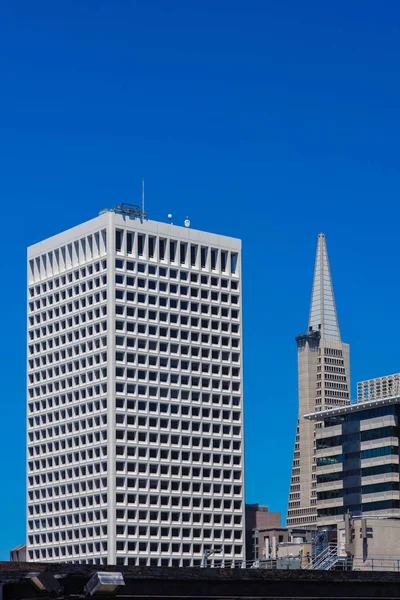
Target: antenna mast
(143,195)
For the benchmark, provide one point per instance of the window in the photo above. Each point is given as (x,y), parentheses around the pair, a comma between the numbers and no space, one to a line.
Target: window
(183,252)
(203,257)
(161,250)
(140,244)
(214,256)
(172,250)
(234,259)
(129,242)
(224,260)
(152,244)
(118,239)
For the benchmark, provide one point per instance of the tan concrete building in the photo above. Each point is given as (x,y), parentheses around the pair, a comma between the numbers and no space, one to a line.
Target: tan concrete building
(323,382)
(279,542)
(357,460)
(371,542)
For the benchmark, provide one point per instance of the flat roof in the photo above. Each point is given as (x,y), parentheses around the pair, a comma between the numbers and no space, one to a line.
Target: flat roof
(355,407)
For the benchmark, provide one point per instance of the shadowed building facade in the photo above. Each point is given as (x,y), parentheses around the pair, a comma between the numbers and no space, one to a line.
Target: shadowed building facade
(323,383)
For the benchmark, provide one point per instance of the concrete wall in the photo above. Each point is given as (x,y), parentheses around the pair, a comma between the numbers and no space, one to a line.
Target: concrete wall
(374,544)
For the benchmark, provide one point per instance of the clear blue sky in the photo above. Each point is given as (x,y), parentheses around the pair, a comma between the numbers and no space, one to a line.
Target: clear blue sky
(270,121)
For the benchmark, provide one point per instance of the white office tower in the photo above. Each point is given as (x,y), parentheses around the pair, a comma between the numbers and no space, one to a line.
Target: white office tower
(135,436)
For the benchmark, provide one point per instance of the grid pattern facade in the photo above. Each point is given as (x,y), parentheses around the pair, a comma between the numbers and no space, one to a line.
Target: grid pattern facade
(378,388)
(357,459)
(135,440)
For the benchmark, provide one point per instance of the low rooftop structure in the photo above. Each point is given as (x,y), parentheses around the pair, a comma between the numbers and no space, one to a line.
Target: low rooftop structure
(22,581)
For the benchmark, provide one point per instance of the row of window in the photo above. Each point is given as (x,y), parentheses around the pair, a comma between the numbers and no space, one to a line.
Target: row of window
(53,299)
(173,251)
(357,509)
(364,472)
(64,474)
(86,362)
(182,306)
(370,453)
(80,409)
(177,409)
(195,337)
(167,378)
(362,436)
(175,274)
(98,548)
(79,317)
(170,319)
(362,415)
(93,344)
(364,489)
(173,288)
(66,258)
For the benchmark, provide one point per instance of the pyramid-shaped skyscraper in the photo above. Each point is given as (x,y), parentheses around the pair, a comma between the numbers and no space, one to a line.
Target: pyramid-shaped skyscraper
(323,382)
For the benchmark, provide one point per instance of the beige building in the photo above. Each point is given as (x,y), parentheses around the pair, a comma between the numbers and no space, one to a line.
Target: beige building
(357,461)
(275,543)
(323,383)
(371,542)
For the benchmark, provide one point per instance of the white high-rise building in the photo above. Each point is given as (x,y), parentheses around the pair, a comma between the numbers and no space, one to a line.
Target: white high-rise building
(135,413)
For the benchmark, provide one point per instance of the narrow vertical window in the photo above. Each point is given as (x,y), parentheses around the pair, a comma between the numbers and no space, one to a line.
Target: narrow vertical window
(214,255)
(57,260)
(193,255)
(224,260)
(83,248)
(129,242)
(50,262)
(90,246)
(31,270)
(203,257)
(162,246)
(234,259)
(104,241)
(118,240)
(97,244)
(63,258)
(183,251)
(140,244)
(152,245)
(76,253)
(69,247)
(172,250)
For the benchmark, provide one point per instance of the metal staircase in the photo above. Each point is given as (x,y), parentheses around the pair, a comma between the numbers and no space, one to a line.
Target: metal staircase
(326,560)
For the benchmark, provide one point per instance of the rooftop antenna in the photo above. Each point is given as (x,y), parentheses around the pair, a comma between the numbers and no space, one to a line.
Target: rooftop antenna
(170,218)
(143,196)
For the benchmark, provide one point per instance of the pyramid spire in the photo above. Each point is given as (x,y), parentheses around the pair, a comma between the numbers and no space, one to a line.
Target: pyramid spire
(323,316)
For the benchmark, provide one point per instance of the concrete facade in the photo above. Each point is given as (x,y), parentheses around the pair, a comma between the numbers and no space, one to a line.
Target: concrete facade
(323,382)
(18,554)
(134,399)
(279,542)
(357,461)
(373,543)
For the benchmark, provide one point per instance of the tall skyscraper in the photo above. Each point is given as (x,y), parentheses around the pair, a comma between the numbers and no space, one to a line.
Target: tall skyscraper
(323,382)
(135,440)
